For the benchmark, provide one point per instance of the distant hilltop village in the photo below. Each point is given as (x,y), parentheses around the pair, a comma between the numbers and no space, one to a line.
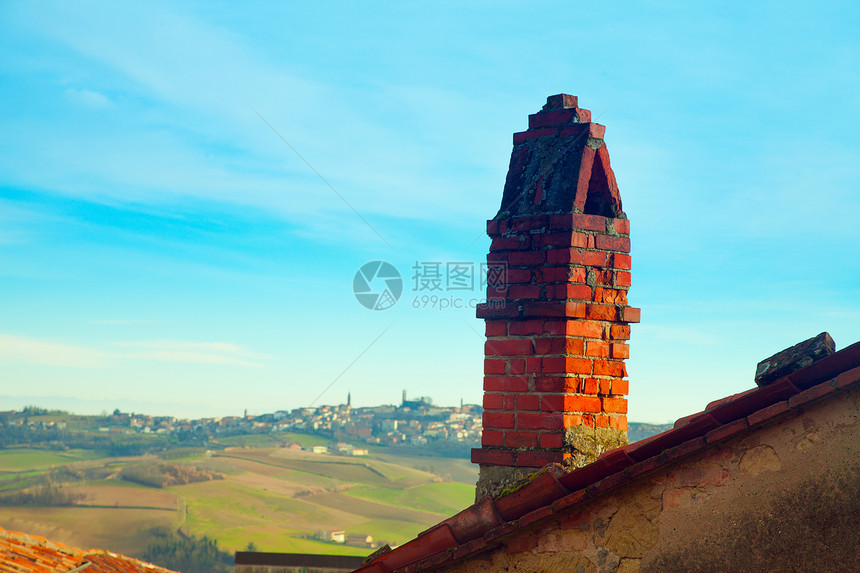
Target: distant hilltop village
(412,423)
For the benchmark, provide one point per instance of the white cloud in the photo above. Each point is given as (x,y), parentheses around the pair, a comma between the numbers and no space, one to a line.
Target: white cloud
(25,350)
(192,352)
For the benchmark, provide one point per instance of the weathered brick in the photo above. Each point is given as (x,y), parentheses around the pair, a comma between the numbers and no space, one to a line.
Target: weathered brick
(515,347)
(589,222)
(517,292)
(613,243)
(521,439)
(496,327)
(590,386)
(516,366)
(492,438)
(601,421)
(492,228)
(494,457)
(619,332)
(525,327)
(622,279)
(526,258)
(551,440)
(614,405)
(597,348)
(561,364)
(498,419)
(506,383)
(546,275)
(582,404)
(601,312)
(619,351)
(517,243)
(556,384)
(575,328)
(610,296)
(622,226)
(621,262)
(569,291)
(618,423)
(609,368)
(494,366)
(515,276)
(630,314)
(559,239)
(539,421)
(620,387)
(528,401)
(603,277)
(559,345)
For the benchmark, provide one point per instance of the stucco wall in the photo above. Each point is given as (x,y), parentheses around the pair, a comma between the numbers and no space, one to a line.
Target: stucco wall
(783,498)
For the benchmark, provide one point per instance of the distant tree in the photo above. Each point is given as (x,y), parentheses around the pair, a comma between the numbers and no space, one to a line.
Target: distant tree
(251,547)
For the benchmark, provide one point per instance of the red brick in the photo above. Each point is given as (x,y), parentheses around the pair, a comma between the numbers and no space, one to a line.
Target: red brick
(596,130)
(510,402)
(578,275)
(609,368)
(551,440)
(497,327)
(610,296)
(493,457)
(517,276)
(554,309)
(620,387)
(601,312)
(603,277)
(613,243)
(573,420)
(527,258)
(568,290)
(582,404)
(552,274)
(534,133)
(528,402)
(558,345)
(516,366)
(621,262)
(517,347)
(559,239)
(590,222)
(492,228)
(526,223)
(539,421)
(525,327)
(575,328)
(590,386)
(597,348)
(631,314)
(554,117)
(509,243)
(506,383)
(601,421)
(561,364)
(618,423)
(619,351)
(493,401)
(492,366)
(556,384)
(619,332)
(622,279)
(614,405)
(492,438)
(622,226)
(498,419)
(605,386)
(524,291)
(538,459)
(521,439)
(533,365)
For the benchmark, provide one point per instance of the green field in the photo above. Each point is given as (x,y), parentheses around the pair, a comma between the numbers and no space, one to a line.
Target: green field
(271,496)
(19,459)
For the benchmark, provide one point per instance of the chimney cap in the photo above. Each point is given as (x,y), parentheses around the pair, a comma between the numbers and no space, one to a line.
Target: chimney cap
(561,101)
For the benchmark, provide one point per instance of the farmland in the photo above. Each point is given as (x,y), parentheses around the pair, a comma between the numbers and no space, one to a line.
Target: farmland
(273,497)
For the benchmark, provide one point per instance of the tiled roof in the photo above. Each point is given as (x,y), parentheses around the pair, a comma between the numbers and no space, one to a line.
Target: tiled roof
(22,553)
(477,528)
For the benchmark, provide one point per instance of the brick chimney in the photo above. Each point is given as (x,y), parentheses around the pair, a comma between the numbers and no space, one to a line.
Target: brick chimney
(557,318)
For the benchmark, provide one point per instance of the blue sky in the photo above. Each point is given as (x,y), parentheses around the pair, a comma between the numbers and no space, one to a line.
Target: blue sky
(163,250)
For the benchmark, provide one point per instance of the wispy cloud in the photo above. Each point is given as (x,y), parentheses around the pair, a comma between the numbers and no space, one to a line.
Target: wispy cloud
(88,98)
(44,352)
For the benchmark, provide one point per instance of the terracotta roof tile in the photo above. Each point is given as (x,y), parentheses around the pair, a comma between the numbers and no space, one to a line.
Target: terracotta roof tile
(22,553)
(477,528)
